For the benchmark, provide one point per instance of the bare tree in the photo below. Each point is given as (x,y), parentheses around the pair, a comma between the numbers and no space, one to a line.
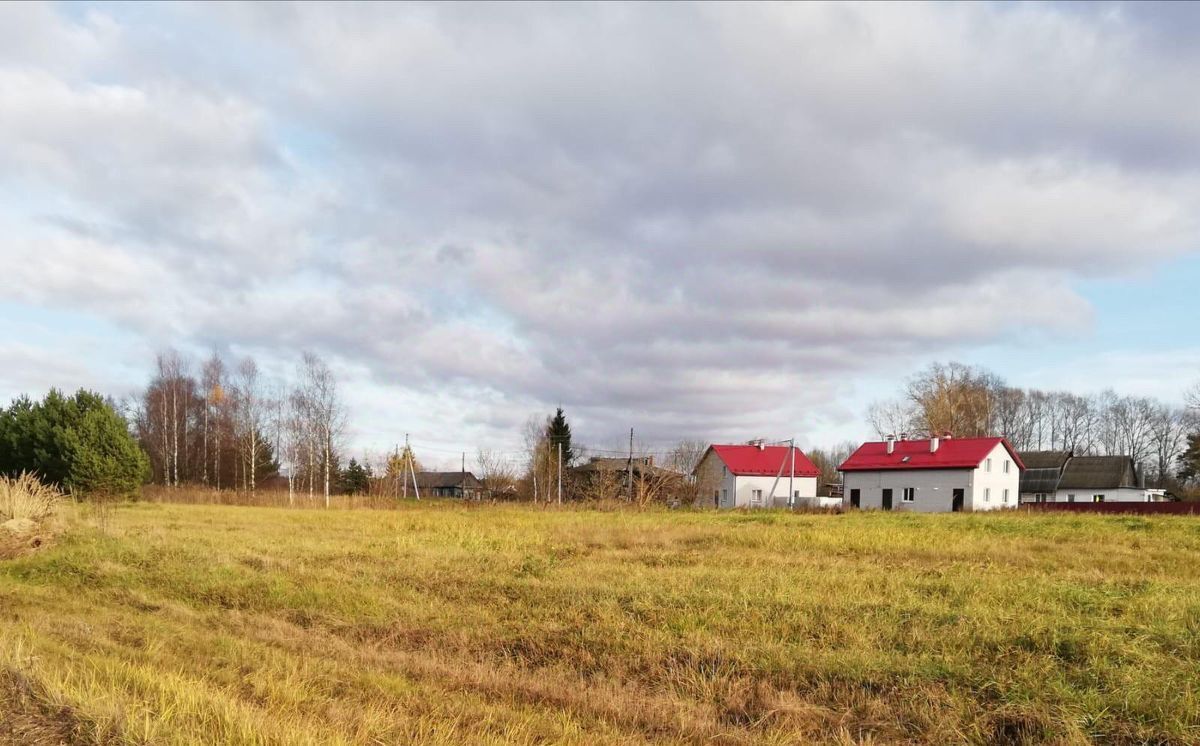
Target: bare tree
(253,409)
(890,417)
(1169,429)
(213,384)
(325,412)
(498,474)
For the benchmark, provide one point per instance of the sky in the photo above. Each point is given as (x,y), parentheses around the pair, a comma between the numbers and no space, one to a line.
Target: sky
(700,221)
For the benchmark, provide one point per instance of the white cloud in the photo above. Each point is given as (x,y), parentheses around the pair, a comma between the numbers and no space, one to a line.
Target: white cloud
(699,216)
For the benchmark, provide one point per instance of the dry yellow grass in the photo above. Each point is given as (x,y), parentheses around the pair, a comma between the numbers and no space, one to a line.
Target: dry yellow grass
(25,497)
(444,623)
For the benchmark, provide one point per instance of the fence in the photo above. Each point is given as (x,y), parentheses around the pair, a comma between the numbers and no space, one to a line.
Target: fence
(1170,508)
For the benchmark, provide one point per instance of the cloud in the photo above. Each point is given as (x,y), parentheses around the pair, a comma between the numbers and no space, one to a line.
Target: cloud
(700,217)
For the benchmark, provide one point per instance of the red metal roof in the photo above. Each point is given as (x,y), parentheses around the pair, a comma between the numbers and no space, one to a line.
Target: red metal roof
(952,453)
(750,460)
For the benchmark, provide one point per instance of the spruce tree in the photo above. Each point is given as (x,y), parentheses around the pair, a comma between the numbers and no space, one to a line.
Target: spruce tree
(558,430)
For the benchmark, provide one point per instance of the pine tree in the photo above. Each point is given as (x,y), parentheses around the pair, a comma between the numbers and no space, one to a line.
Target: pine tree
(558,430)
(1189,460)
(79,442)
(356,479)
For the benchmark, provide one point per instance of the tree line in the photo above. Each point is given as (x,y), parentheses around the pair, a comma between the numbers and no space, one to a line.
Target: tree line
(231,427)
(969,401)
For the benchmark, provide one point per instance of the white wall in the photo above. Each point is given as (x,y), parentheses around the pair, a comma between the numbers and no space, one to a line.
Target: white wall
(745,486)
(997,480)
(1119,495)
(935,487)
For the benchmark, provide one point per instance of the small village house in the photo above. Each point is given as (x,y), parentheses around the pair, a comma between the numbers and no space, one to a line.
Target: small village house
(933,475)
(756,475)
(1061,476)
(449,484)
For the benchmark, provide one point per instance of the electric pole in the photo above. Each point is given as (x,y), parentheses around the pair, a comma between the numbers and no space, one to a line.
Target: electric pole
(629,470)
(560,472)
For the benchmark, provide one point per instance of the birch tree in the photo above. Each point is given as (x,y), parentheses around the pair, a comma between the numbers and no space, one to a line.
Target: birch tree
(326,413)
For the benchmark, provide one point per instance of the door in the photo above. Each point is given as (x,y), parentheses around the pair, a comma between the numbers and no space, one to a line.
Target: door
(887,499)
(855,498)
(956,505)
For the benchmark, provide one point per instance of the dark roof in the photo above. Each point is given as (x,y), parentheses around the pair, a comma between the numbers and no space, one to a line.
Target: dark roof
(1039,480)
(1042,470)
(952,453)
(1098,473)
(442,479)
(1044,459)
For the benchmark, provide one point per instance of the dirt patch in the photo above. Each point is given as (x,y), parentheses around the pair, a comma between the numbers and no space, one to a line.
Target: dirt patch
(19,537)
(26,719)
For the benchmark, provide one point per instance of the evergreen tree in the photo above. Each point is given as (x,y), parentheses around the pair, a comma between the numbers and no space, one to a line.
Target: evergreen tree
(558,430)
(1189,460)
(355,479)
(77,442)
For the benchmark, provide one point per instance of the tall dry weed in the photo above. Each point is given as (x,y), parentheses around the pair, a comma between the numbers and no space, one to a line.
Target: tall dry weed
(27,497)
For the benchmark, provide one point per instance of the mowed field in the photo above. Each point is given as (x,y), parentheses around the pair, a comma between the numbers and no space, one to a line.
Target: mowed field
(443,623)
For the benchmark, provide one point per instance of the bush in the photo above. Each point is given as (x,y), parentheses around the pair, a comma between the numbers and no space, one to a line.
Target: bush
(77,442)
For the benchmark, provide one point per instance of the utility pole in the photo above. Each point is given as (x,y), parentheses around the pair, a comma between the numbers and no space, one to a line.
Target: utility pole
(629,470)
(463,484)
(412,469)
(403,473)
(792,473)
(560,472)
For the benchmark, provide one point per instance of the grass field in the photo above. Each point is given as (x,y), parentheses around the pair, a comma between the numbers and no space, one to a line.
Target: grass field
(441,623)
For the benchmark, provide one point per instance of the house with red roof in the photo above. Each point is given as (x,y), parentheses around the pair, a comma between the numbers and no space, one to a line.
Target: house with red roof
(933,475)
(755,475)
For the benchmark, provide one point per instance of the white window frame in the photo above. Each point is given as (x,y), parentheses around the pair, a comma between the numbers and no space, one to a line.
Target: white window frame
(1006,492)
(756,497)
(987,465)
(1006,463)
(987,494)
(908,495)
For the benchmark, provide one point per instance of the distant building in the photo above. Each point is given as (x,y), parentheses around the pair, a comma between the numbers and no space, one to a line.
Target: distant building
(605,477)
(449,484)
(934,475)
(1061,476)
(758,476)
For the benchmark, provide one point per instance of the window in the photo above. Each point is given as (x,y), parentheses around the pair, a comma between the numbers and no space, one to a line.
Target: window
(1071,498)
(756,497)
(724,496)
(987,494)
(1097,498)
(910,494)
(987,466)
(724,471)
(1006,463)
(1006,490)
(796,494)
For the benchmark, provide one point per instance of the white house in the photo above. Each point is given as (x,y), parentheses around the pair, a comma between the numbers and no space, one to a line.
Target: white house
(933,476)
(1061,476)
(757,475)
